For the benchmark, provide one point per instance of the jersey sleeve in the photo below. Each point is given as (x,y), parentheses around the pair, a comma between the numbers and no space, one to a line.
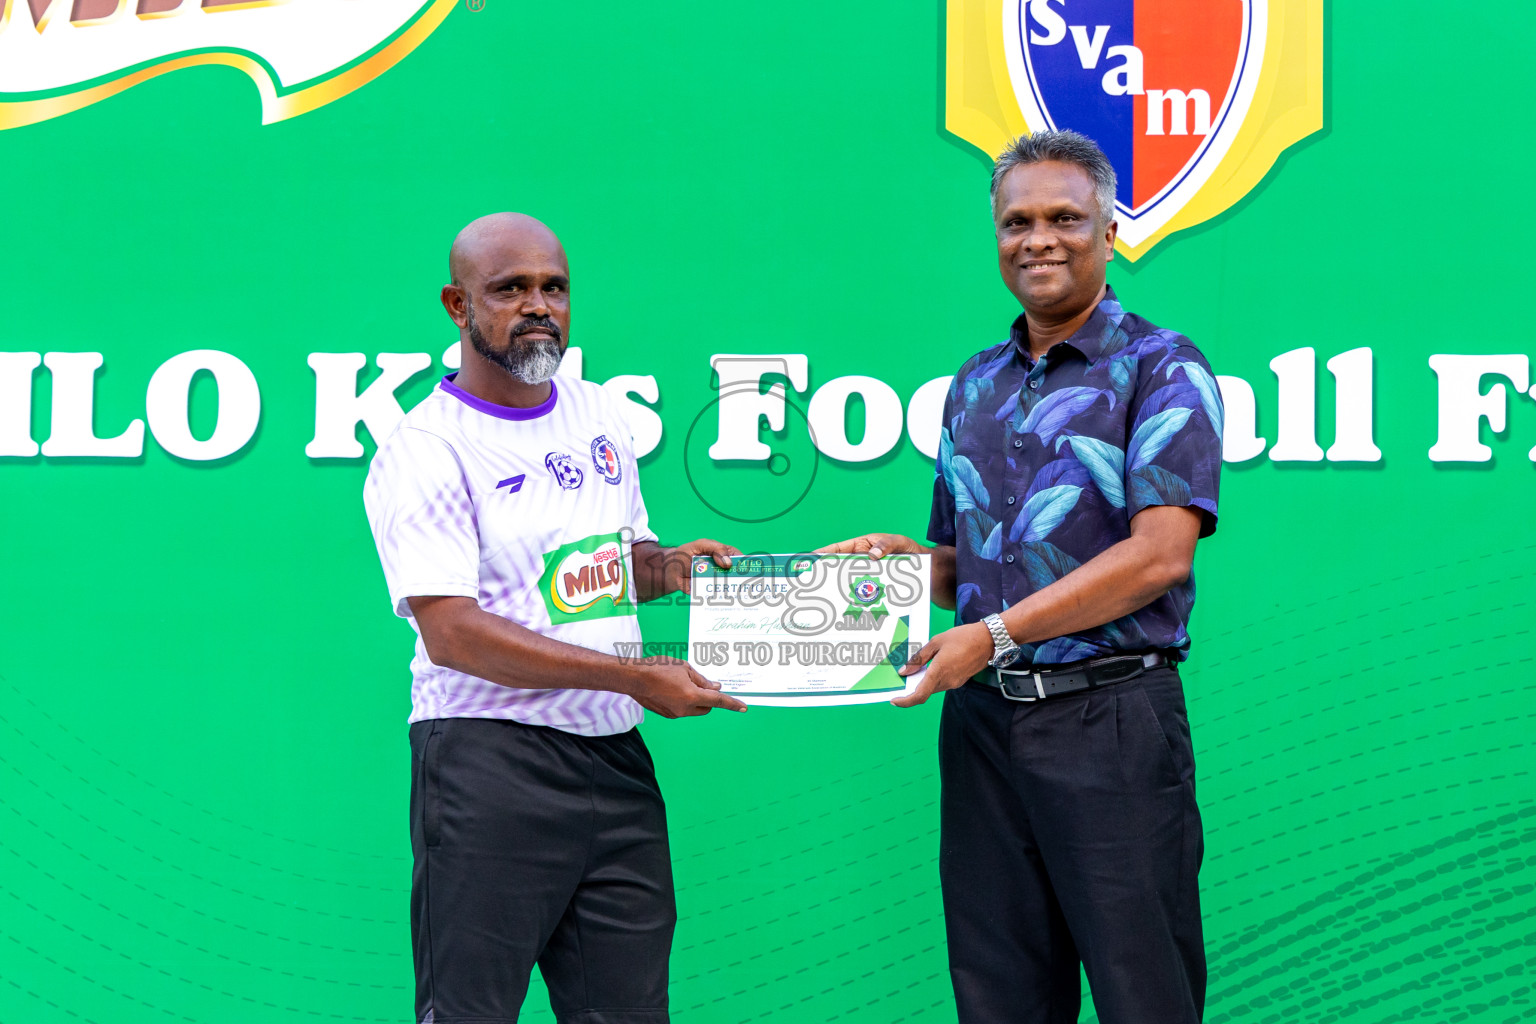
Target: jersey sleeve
(1174,452)
(423,519)
(639,519)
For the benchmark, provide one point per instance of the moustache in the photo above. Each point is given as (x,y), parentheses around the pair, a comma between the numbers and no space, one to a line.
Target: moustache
(536,323)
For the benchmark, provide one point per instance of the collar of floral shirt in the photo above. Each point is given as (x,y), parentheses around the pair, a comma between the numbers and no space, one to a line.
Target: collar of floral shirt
(1088,340)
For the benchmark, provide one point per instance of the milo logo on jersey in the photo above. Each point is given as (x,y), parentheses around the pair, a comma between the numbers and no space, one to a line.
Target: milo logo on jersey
(587,579)
(1191,100)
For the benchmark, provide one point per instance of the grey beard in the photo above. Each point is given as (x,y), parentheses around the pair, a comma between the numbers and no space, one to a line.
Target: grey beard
(533,362)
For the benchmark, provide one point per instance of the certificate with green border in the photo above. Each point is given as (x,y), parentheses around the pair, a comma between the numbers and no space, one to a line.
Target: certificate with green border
(808,630)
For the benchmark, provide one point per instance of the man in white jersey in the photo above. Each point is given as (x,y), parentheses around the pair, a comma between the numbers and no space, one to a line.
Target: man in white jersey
(507,512)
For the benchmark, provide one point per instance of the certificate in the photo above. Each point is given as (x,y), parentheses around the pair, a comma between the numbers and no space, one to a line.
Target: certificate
(808,630)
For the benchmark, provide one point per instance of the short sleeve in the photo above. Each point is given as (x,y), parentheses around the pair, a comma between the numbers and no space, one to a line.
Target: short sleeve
(941,516)
(639,518)
(423,519)
(1173,456)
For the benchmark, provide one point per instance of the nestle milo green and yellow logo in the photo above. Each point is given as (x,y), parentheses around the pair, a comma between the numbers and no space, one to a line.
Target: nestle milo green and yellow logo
(587,579)
(57,56)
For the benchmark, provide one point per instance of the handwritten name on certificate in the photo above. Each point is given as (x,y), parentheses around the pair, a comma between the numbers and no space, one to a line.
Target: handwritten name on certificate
(809,630)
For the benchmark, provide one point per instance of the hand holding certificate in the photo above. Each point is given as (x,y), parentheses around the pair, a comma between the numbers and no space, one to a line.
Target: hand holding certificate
(809,630)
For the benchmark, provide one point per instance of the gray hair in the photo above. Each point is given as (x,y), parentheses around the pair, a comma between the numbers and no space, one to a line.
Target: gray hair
(1066,147)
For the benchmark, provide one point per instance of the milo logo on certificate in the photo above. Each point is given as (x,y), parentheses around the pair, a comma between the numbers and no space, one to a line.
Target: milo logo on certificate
(586,579)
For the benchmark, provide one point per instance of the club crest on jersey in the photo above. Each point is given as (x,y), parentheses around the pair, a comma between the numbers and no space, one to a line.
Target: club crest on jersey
(564,469)
(1191,100)
(605,459)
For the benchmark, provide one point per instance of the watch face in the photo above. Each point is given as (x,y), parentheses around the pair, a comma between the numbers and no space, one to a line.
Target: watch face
(1007,658)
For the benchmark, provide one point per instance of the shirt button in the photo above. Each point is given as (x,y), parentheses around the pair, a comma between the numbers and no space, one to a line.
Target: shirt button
(1010,558)
(1034,385)
(1010,499)
(1018,444)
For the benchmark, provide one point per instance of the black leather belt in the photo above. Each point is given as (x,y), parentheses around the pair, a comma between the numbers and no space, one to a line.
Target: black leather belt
(1030,684)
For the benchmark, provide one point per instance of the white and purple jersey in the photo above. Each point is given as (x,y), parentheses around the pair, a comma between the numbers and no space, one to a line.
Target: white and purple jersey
(532,512)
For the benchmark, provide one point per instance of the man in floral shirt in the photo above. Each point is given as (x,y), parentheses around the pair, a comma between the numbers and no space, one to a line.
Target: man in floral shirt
(1078,466)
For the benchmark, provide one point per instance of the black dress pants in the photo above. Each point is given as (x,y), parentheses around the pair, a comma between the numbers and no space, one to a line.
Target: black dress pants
(534,845)
(1069,834)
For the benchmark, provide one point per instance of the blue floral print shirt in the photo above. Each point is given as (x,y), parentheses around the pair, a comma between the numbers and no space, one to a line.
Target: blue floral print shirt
(1042,465)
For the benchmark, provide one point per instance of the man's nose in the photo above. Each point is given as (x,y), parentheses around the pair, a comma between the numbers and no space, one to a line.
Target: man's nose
(1039,238)
(535,304)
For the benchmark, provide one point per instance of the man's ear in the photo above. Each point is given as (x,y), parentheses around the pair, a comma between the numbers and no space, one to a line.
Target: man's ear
(1109,240)
(456,303)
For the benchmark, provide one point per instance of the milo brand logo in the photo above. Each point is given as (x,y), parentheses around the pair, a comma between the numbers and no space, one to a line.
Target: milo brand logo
(57,56)
(587,579)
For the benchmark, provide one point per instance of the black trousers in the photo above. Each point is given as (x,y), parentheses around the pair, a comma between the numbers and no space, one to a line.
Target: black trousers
(1069,834)
(533,845)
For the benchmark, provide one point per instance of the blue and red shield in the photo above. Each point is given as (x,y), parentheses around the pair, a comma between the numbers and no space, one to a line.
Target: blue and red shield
(605,459)
(1163,86)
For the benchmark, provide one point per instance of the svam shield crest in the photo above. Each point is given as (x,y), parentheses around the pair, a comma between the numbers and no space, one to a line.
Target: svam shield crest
(1191,100)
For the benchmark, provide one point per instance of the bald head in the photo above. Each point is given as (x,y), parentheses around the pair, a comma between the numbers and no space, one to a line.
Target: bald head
(511,299)
(496,240)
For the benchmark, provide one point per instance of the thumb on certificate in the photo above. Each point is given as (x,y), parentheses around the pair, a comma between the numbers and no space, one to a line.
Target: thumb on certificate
(721,553)
(919,660)
(919,693)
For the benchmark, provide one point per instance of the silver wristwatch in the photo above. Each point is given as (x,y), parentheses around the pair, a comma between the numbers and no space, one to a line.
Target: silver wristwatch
(1004,651)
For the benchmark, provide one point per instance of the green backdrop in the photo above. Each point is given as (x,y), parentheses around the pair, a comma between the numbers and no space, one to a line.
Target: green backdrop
(203,760)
